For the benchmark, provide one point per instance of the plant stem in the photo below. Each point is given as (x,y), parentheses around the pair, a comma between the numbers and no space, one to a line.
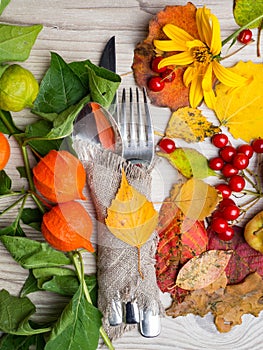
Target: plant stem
(79,266)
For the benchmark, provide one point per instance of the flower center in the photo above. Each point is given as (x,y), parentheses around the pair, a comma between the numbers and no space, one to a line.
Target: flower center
(202,55)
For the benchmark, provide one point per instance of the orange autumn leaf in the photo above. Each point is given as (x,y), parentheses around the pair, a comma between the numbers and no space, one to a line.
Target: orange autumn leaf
(202,270)
(241,109)
(131,217)
(175,94)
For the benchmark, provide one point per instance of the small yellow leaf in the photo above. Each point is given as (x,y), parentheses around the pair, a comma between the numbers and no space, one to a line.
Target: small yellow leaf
(197,199)
(241,109)
(131,217)
(203,269)
(190,125)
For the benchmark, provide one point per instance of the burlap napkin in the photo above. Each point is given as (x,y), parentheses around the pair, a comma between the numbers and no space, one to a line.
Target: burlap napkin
(117,262)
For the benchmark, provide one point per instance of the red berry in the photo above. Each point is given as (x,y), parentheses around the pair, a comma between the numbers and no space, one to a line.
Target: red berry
(257,145)
(236,183)
(246,149)
(240,161)
(226,202)
(227,235)
(229,170)
(155,84)
(219,140)
(216,163)
(168,75)
(219,224)
(244,36)
(154,65)
(230,212)
(227,153)
(167,145)
(224,189)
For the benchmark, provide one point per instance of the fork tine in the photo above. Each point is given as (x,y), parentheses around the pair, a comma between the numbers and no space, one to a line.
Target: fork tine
(136,128)
(149,125)
(123,118)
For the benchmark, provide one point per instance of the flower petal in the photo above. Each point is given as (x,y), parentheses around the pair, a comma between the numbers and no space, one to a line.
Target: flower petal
(188,76)
(203,25)
(180,59)
(209,96)
(176,33)
(215,45)
(169,45)
(195,43)
(178,37)
(196,92)
(227,77)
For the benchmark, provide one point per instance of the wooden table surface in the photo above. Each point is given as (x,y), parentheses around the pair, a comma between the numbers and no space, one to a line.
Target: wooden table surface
(78,30)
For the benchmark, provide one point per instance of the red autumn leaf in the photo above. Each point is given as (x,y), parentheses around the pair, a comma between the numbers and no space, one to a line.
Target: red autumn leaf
(244,260)
(175,93)
(180,239)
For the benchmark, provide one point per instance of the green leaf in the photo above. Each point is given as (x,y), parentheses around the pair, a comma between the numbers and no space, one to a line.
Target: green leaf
(30,285)
(103,84)
(189,162)
(16,41)
(13,230)
(7,124)
(32,217)
(79,68)
(68,285)
(78,327)
(32,254)
(246,11)
(3,4)
(15,313)
(63,124)
(60,87)
(5,183)
(22,342)
(40,142)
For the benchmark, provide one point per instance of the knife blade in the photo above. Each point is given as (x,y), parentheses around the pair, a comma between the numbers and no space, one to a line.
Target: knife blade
(108,56)
(108,61)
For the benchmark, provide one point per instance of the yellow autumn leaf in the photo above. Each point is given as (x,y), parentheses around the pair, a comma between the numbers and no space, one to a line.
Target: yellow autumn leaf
(197,199)
(190,125)
(202,270)
(131,217)
(241,109)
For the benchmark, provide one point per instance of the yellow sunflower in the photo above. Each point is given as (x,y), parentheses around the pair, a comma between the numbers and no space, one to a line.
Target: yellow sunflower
(201,56)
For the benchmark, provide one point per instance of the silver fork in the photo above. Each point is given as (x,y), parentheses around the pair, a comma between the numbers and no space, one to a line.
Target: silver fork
(136,128)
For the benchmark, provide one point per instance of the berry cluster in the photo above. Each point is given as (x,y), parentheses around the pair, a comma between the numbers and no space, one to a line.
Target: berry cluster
(165,75)
(230,162)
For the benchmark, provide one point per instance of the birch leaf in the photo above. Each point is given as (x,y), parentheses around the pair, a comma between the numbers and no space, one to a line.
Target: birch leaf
(197,199)
(190,125)
(241,109)
(131,217)
(203,269)
(189,162)
(246,11)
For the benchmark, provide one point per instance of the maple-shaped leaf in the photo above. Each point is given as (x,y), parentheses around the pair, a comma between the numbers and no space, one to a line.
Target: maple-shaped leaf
(188,162)
(246,11)
(180,239)
(202,270)
(190,125)
(244,259)
(175,94)
(197,199)
(241,109)
(131,217)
